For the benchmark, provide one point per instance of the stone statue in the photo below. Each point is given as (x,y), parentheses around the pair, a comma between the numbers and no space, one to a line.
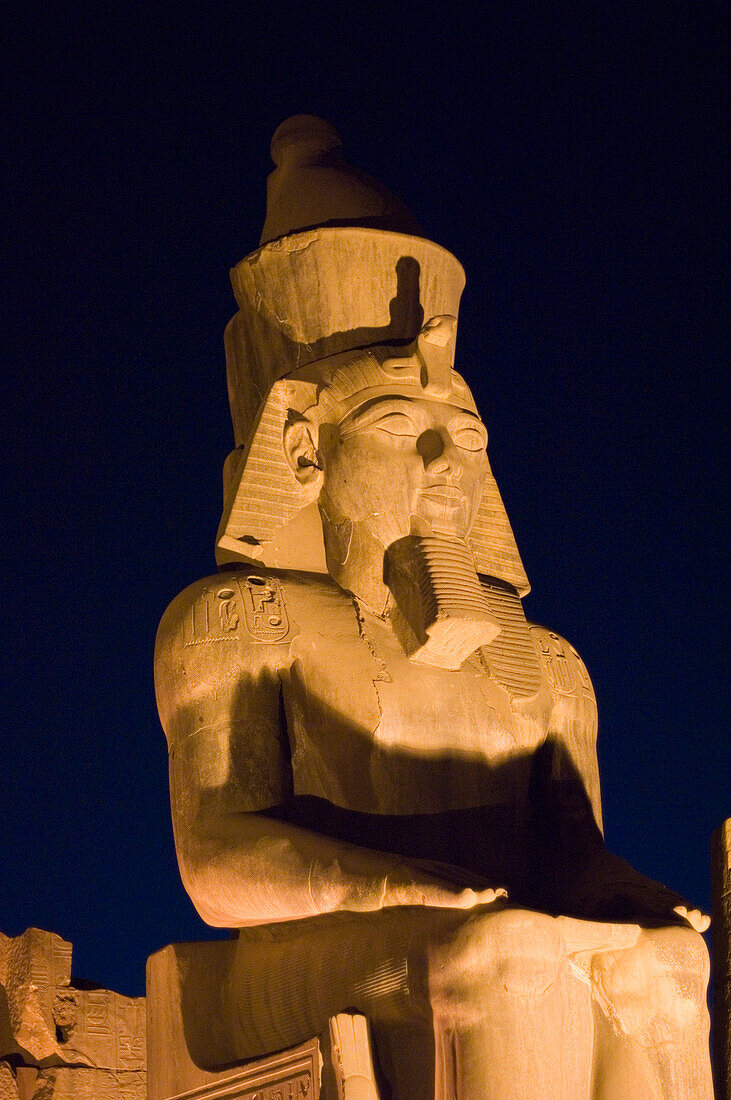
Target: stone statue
(380,772)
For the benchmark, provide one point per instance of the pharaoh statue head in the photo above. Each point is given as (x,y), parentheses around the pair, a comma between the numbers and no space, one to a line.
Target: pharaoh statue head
(360,452)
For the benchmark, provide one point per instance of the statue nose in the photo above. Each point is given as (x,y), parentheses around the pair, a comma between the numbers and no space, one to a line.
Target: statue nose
(438,452)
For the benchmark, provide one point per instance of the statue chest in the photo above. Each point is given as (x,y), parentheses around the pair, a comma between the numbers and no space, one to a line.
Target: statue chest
(372,731)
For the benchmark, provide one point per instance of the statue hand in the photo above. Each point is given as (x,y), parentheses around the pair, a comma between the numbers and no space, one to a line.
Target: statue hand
(618,892)
(417,884)
(697,920)
(470,899)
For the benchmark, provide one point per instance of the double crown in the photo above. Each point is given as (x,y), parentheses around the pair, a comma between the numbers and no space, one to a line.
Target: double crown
(337,296)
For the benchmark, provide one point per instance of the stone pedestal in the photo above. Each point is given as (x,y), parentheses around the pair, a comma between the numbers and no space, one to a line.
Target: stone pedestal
(188,1052)
(190,1056)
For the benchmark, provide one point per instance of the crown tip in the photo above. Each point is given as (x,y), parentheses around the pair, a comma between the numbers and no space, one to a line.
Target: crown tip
(304,136)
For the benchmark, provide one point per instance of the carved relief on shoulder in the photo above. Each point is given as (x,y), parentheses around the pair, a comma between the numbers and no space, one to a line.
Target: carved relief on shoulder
(573,718)
(244,606)
(219,635)
(564,670)
(563,667)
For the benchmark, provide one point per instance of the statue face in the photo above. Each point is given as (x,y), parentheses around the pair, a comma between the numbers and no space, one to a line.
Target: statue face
(385,460)
(401,465)
(385,448)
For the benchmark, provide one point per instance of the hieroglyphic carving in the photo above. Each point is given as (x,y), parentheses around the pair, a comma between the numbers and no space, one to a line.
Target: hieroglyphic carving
(228,615)
(61,960)
(30,966)
(298,1087)
(265,613)
(90,1042)
(47,958)
(254,604)
(213,617)
(559,669)
(92,1083)
(108,1028)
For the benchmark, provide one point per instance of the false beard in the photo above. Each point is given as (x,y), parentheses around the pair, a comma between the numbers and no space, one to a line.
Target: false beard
(439,612)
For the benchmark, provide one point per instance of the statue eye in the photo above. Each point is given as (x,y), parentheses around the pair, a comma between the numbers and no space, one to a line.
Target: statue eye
(396,423)
(469,438)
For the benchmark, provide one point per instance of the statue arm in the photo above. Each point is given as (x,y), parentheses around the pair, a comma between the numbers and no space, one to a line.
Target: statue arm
(573,773)
(247,868)
(586,877)
(218,695)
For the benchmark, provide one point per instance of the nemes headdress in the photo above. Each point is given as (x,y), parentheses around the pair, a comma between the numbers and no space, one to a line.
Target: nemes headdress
(343,300)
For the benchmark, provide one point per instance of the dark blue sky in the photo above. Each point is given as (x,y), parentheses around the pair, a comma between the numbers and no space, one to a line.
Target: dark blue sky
(570,156)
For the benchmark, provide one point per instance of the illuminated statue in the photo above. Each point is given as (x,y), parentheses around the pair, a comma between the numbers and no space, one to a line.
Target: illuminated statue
(380,771)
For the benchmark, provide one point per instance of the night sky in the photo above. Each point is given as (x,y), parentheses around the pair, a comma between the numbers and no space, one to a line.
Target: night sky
(570,156)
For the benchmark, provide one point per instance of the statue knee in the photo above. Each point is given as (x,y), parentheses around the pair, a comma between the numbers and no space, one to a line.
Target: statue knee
(491,955)
(655,992)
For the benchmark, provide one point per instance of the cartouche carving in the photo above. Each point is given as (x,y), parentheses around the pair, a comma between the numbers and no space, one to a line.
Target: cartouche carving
(382,746)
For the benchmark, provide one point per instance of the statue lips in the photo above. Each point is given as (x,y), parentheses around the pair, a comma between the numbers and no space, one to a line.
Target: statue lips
(443,502)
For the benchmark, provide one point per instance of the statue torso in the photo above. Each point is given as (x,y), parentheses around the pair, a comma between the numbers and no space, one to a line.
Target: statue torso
(372,731)
(311,710)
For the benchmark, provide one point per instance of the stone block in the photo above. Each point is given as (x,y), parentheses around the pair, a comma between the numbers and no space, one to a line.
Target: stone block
(187,1040)
(33,966)
(102,1027)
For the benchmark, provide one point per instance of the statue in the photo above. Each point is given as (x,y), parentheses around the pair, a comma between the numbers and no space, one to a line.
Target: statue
(381,773)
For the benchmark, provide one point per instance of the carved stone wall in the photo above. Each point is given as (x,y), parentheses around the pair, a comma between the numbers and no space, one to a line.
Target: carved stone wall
(60,1041)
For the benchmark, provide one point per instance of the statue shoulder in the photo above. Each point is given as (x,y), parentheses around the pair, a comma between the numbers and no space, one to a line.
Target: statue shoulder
(222,636)
(573,719)
(561,664)
(232,633)
(221,646)
(245,607)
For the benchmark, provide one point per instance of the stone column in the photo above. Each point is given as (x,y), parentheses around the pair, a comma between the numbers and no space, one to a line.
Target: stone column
(721,893)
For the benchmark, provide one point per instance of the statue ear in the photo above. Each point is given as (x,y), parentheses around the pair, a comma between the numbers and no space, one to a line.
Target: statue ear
(300,449)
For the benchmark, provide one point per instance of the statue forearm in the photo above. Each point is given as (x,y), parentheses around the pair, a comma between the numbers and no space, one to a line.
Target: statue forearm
(243,869)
